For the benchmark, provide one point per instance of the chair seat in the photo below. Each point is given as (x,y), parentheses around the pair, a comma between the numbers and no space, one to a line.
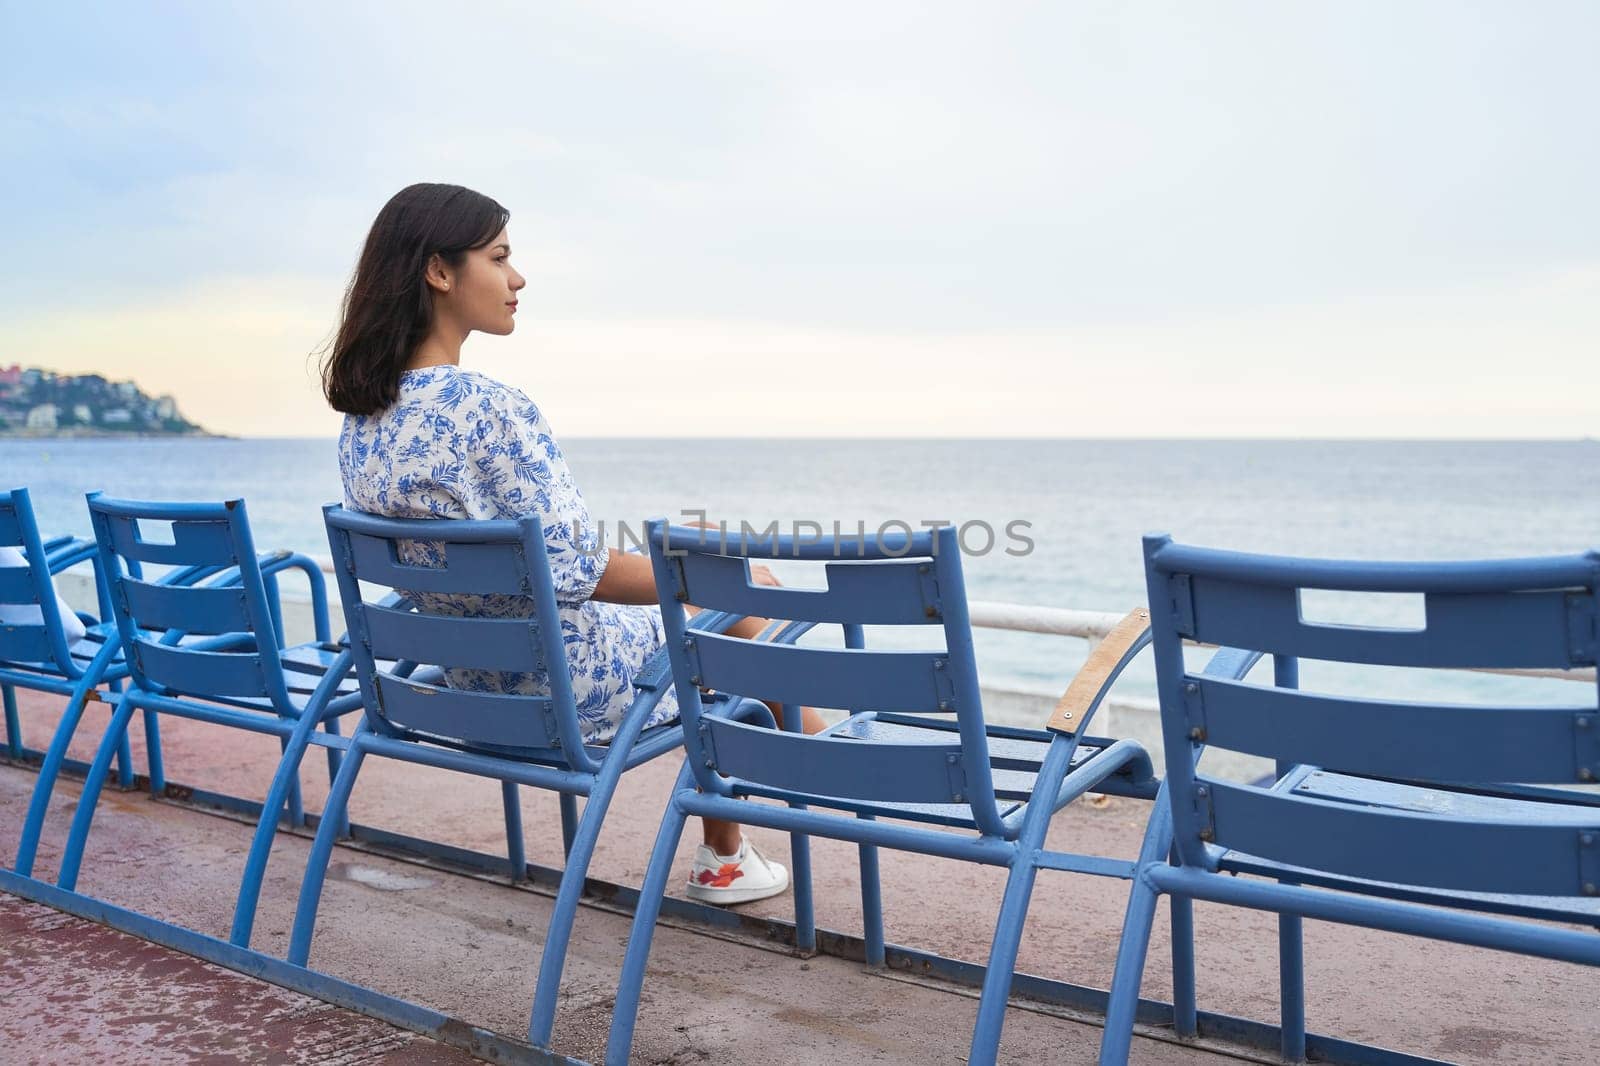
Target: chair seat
(1582,810)
(1015,756)
(82,653)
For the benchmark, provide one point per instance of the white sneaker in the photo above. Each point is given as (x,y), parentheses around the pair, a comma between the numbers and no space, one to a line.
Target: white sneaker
(723,880)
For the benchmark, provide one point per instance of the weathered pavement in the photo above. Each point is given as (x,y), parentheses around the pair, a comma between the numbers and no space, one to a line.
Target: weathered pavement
(469,946)
(80,992)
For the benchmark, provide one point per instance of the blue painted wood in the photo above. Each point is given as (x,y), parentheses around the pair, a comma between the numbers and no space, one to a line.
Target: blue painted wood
(219,587)
(860,781)
(1514,629)
(829,766)
(1528,857)
(37,656)
(10,524)
(1449,832)
(201,672)
(17,585)
(511,645)
(467,718)
(515,738)
(847,678)
(890,593)
(26,643)
(194,541)
(1422,741)
(495,566)
(186,608)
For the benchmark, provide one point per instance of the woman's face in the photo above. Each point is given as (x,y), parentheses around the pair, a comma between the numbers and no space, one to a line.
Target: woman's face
(483,292)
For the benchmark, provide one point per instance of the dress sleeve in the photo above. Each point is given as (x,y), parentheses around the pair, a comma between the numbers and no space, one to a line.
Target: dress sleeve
(521,470)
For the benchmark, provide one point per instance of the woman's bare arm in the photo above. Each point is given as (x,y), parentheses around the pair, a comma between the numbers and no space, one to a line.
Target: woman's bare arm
(628,578)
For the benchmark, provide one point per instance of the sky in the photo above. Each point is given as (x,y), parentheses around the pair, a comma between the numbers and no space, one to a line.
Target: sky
(1217,219)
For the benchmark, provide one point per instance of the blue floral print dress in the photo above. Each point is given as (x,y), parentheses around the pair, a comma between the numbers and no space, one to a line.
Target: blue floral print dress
(457,444)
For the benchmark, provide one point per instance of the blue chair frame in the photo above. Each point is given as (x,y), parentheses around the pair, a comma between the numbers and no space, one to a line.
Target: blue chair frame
(513,738)
(210,650)
(897,755)
(38,657)
(1388,814)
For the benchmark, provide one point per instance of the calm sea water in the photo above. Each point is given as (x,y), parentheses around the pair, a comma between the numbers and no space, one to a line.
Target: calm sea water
(1086,504)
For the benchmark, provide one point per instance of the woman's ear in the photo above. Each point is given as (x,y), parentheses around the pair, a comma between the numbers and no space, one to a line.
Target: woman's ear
(437,274)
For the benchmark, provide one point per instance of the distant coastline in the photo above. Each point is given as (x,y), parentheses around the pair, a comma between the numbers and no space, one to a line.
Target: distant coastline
(87,433)
(38,403)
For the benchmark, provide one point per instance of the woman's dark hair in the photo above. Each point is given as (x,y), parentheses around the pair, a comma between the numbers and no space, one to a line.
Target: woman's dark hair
(388,307)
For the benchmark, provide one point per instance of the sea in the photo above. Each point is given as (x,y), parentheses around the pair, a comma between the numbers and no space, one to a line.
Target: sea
(1056,523)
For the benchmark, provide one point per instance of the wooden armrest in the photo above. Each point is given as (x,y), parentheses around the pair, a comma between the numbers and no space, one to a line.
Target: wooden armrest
(1073,707)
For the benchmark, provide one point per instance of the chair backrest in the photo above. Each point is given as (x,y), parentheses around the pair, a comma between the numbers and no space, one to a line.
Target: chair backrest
(445,569)
(890,580)
(1518,613)
(29,589)
(237,651)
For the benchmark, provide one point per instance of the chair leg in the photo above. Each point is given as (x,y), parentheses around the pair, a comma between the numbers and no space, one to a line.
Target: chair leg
(516,850)
(305,913)
(1002,961)
(152,745)
(335,755)
(297,809)
(39,804)
(1184,1021)
(72,857)
(125,763)
(1123,1003)
(330,726)
(871,903)
(569,822)
(625,1012)
(805,919)
(255,864)
(8,695)
(547,989)
(1291,988)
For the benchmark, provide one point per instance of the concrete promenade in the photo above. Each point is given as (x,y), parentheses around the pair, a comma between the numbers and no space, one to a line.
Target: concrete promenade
(468,946)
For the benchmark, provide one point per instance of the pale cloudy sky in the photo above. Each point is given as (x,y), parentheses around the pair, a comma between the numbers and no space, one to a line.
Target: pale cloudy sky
(1089,219)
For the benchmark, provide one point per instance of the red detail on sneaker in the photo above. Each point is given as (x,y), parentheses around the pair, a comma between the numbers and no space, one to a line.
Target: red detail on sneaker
(723,878)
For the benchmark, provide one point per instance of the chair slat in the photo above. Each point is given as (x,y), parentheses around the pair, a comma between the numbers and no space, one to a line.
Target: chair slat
(869,593)
(22,643)
(1425,742)
(828,766)
(1507,630)
(856,679)
(482,719)
(1475,854)
(201,672)
(509,644)
(469,568)
(193,610)
(194,542)
(17,585)
(10,524)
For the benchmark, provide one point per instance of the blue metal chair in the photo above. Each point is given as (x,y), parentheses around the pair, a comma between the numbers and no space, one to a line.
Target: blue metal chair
(1389,814)
(534,740)
(210,651)
(39,656)
(914,747)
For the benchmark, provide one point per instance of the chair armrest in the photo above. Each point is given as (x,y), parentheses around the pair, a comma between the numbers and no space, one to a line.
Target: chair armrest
(1231,663)
(64,552)
(1105,664)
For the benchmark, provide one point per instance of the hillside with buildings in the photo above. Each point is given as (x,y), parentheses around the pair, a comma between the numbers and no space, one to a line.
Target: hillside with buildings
(42,403)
